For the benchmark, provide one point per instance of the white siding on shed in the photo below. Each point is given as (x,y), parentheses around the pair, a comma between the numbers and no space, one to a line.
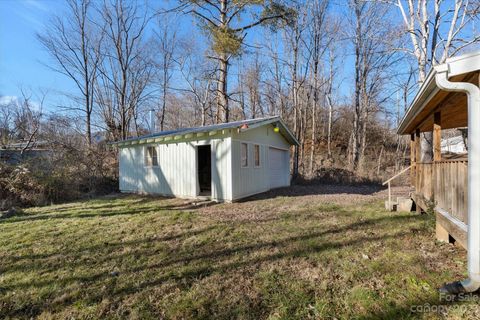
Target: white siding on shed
(222,169)
(176,173)
(251,180)
(278,168)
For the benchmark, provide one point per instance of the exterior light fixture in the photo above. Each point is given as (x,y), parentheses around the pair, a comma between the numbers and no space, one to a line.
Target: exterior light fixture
(276,129)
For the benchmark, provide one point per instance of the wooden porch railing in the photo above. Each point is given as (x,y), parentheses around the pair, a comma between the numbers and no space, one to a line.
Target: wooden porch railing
(423,180)
(390,180)
(445,184)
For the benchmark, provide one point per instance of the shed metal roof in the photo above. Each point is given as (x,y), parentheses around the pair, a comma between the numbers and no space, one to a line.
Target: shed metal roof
(241,125)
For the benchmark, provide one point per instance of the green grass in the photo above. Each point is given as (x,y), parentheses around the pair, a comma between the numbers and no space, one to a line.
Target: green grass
(146,257)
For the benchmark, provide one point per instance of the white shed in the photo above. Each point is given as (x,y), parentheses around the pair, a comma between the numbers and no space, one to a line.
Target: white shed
(223,162)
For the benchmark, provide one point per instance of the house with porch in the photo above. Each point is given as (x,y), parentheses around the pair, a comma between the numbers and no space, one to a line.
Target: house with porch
(449,98)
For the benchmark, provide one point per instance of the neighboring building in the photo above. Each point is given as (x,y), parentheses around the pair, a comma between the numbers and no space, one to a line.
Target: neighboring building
(454,145)
(223,162)
(12,153)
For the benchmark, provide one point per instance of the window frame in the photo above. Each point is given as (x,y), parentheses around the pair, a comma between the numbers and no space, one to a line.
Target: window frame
(241,155)
(256,147)
(149,158)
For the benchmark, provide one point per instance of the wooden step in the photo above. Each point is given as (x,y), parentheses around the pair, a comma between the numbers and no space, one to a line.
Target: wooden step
(402,204)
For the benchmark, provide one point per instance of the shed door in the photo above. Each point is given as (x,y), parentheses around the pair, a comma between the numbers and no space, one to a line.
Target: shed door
(278,168)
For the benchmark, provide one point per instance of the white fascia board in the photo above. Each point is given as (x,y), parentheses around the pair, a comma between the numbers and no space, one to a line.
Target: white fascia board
(463,64)
(456,66)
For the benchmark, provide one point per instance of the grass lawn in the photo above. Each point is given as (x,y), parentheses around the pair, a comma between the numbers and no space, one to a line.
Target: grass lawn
(296,256)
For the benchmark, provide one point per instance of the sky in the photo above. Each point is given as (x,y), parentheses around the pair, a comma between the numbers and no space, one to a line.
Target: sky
(22,58)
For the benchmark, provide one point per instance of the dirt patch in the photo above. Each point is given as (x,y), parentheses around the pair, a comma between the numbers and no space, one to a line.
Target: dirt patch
(297,198)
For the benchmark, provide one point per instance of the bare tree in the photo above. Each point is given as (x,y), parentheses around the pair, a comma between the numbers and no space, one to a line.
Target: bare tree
(166,39)
(30,117)
(21,119)
(73,43)
(7,115)
(199,76)
(295,38)
(437,30)
(276,92)
(329,94)
(221,20)
(318,48)
(127,68)
(253,83)
(373,56)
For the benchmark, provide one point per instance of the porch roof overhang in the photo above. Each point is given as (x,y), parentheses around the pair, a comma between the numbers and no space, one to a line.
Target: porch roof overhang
(431,99)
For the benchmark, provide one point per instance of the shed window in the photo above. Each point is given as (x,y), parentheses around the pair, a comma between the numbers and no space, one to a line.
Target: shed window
(151,159)
(244,155)
(256,155)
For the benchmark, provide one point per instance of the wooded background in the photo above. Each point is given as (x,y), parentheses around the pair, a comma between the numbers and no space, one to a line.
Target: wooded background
(340,73)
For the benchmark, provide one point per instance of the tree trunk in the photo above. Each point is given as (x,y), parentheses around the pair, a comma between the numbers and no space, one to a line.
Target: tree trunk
(222,97)
(316,58)
(314,129)
(89,128)
(379,163)
(354,158)
(363,143)
(164,106)
(330,108)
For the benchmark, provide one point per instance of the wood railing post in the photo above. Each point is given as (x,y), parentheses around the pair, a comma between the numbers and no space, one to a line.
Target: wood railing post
(389,197)
(437,149)
(412,159)
(388,182)
(437,137)
(417,158)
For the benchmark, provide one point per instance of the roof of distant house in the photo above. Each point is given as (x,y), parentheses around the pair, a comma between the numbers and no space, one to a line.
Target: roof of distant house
(40,144)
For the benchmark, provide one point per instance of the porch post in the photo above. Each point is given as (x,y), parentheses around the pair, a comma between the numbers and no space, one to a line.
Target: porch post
(437,137)
(440,232)
(418,153)
(418,168)
(412,159)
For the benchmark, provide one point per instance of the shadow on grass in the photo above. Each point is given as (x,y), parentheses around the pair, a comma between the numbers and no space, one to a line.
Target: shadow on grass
(209,255)
(99,213)
(109,202)
(187,277)
(201,260)
(107,245)
(316,188)
(62,216)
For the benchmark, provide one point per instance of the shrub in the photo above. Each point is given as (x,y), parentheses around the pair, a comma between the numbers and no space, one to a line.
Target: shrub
(63,175)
